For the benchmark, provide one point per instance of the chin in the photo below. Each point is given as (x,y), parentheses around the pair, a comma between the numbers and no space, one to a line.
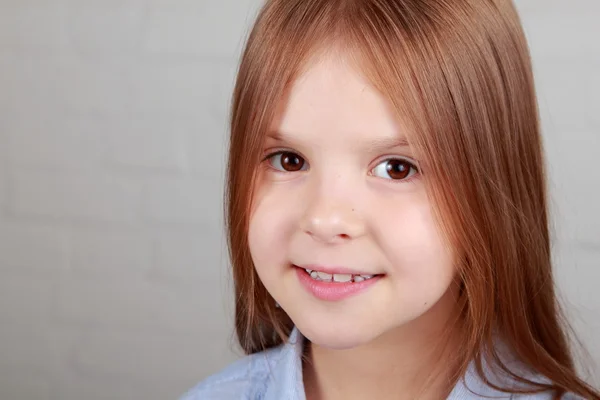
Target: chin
(338,336)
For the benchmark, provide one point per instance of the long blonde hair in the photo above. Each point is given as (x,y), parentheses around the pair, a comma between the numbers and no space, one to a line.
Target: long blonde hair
(458,74)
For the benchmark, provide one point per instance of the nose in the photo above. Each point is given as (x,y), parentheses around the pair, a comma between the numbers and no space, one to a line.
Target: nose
(332,219)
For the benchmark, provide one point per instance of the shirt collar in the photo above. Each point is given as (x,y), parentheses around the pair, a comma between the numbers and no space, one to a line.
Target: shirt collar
(286,371)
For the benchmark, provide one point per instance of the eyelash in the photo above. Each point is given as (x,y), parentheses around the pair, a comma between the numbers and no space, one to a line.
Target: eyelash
(412,165)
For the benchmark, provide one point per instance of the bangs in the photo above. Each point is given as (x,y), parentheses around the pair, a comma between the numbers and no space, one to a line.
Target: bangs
(376,38)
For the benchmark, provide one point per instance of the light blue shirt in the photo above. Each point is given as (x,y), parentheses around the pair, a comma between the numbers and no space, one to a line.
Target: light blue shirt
(276,374)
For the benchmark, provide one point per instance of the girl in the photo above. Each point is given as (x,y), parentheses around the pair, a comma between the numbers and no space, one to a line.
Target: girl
(386,208)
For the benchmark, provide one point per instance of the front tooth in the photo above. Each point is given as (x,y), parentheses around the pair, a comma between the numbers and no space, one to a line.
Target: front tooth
(342,278)
(324,276)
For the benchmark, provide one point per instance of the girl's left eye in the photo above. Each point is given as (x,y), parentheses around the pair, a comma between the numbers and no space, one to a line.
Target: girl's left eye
(395,169)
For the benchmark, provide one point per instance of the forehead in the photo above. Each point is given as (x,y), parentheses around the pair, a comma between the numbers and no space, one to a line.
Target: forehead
(333,97)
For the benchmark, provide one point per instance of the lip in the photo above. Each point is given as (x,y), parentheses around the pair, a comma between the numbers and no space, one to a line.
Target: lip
(333,270)
(333,291)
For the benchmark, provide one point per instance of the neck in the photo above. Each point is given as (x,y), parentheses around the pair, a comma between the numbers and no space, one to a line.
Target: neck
(409,362)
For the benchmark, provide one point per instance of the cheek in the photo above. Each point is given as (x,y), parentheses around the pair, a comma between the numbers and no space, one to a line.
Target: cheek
(269,228)
(414,243)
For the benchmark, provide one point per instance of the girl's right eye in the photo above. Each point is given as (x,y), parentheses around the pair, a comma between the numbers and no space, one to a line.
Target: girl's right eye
(287,161)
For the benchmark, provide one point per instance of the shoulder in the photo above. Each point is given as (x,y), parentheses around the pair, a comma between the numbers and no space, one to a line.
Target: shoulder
(545,396)
(495,377)
(244,379)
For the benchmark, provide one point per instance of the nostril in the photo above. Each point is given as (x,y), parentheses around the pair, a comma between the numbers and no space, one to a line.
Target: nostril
(330,238)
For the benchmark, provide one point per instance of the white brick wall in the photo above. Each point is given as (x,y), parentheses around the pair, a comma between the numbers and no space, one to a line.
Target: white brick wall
(113,280)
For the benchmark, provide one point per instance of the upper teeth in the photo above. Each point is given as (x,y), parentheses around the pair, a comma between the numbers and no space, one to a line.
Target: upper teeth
(323,276)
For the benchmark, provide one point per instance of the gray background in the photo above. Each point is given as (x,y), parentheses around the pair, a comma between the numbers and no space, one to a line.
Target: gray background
(113,280)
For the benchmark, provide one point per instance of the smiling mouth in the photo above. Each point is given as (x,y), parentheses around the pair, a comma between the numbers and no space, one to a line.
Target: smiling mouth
(321,276)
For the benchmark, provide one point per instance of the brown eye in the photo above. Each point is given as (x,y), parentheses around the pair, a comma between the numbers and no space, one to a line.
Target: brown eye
(395,168)
(287,161)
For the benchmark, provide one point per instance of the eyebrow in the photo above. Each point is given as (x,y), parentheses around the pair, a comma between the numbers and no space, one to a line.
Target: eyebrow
(277,136)
(378,144)
(381,144)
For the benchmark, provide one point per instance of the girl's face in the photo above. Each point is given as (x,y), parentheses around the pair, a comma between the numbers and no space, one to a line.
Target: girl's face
(339,193)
